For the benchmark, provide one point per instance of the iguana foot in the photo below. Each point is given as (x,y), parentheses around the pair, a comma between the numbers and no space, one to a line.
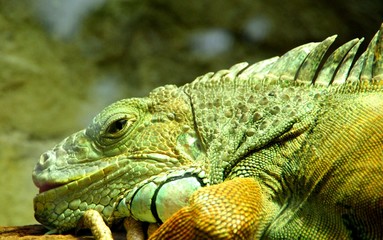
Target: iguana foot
(93,220)
(135,230)
(230,210)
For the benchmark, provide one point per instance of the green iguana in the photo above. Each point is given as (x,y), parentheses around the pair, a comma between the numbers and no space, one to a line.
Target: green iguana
(287,148)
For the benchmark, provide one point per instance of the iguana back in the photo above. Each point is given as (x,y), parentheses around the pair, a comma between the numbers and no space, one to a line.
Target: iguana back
(310,131)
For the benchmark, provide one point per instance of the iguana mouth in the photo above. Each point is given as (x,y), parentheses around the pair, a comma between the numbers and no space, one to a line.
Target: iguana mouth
(55,189)
(48,186)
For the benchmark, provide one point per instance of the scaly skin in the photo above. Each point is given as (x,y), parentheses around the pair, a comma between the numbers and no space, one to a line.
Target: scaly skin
(290,148)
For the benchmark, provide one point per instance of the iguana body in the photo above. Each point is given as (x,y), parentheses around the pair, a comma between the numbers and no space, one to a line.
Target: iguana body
(292,148)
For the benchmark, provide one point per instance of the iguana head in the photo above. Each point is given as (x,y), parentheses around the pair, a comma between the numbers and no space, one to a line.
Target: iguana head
(129,146)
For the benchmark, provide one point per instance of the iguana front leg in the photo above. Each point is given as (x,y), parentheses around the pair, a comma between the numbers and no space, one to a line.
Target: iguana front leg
(93,220)
(233,209)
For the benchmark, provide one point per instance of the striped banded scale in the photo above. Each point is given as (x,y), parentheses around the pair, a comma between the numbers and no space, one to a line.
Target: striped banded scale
(159,198)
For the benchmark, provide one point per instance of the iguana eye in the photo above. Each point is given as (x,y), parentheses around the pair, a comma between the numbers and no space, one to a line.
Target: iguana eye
(116,126)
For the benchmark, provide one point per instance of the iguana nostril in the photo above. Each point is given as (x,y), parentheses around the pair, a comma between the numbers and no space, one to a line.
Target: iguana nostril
(41,165)
(45,157)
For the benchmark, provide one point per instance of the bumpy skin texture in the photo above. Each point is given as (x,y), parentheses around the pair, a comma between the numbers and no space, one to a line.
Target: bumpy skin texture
(291,147)
(237,215)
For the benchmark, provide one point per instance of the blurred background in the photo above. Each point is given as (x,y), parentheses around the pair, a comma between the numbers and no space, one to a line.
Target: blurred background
(61,62)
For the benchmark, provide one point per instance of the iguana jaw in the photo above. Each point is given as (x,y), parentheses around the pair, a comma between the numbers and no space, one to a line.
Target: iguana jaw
(52,203)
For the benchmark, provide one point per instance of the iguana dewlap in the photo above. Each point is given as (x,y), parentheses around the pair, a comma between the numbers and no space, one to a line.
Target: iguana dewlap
(287,148)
